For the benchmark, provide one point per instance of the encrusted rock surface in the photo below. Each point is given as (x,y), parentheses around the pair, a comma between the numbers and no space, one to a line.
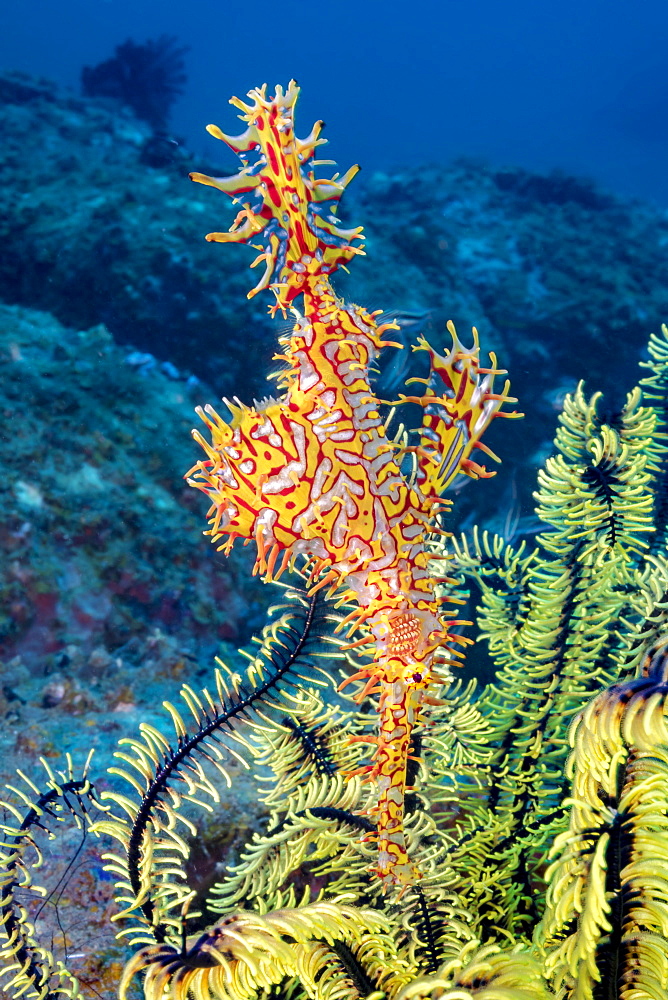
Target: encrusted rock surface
(100,536)
(93,234)
(110,598)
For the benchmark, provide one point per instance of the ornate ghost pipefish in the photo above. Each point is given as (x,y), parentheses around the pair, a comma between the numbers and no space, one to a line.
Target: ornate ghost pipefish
(312,471)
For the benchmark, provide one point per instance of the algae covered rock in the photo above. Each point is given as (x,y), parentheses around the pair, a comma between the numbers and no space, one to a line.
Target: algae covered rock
(100,536)
(93,234)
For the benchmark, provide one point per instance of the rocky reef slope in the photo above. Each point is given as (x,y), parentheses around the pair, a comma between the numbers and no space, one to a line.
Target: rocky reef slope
(100,538)
(561,279)
(548,267)
(117,318)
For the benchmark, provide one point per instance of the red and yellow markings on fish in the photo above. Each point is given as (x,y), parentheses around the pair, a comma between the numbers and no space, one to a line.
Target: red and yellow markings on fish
(312,472)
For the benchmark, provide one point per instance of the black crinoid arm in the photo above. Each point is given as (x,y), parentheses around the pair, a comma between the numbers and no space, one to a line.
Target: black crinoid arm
(148,77)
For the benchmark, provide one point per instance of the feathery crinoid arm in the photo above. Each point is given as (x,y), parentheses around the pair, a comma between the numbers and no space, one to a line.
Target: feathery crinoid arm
(484,974)
(152,824)
(655,394)
(606,923)
(31,814)
(312,472)
(246,953)
(562,619)
(647,614)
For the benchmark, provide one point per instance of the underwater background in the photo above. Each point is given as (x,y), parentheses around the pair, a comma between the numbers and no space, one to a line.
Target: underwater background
(513,179)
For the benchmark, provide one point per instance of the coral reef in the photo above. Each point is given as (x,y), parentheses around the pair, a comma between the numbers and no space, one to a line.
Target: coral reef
(108,599)
(525,821)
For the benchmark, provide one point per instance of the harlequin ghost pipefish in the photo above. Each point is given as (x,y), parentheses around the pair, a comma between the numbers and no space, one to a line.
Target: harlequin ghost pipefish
(312,471)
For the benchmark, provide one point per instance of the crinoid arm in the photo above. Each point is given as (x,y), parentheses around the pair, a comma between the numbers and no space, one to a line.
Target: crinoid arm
(151,824)
(29,969)
(607,907)
(332,949)
(486,974)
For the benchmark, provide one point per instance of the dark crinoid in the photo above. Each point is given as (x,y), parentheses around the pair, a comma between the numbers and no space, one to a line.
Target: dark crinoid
(147,77)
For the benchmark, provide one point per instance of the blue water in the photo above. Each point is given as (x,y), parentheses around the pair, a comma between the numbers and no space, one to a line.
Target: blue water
(575,84)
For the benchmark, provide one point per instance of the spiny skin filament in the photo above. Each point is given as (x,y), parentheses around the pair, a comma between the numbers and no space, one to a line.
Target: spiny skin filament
(312,472)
